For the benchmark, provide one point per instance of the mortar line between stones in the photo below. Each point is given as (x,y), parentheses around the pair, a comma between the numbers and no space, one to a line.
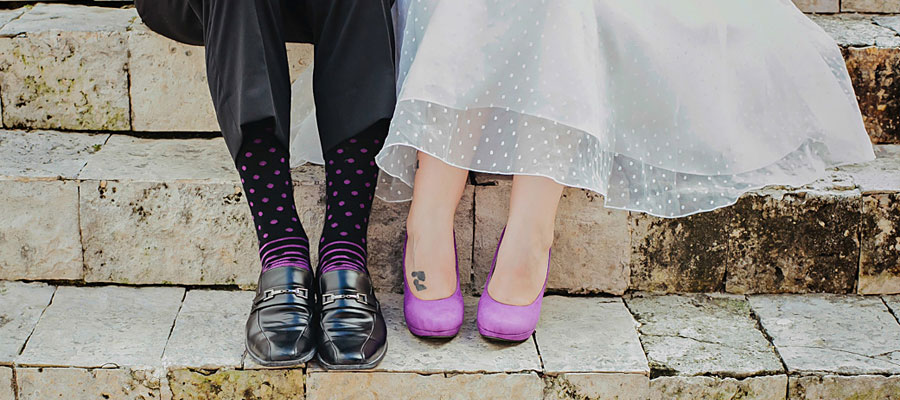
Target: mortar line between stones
(637,330)
(78,221)
(771,340)
(33,328)
(537,348)
(14,384)
(174,321)
(859,243)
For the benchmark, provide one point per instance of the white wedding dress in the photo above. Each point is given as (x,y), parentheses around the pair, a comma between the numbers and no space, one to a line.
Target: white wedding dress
(664,107)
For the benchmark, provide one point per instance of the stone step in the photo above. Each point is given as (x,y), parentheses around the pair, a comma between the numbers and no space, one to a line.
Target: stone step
(177,343)
(83,68)
(112,208)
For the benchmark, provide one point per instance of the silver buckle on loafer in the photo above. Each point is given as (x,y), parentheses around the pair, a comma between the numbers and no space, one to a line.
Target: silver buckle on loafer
(329,298)
(271,293)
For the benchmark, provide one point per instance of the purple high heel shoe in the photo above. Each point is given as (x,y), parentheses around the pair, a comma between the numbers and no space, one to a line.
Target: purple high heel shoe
(439,318)
(506,322)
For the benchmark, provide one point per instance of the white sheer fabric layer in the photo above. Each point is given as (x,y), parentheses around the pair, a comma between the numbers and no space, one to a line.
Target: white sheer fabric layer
(669,108)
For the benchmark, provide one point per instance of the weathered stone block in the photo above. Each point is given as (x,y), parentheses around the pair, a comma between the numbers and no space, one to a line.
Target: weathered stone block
(387,230)
(818,6)
(209,330)
(710,387)
(21,305)
(879,182)
(870,6)
(591,243)
(680,255)
(175,211)
(702,335)
(806,240)
(100,326)
(879,261)
(167,233)
(169,90)
(862,387)
(6,384)
(237,385)
(40,241)
(86,384)
(391,386)
(870,48)
(568,341)
(830,333)
(876,73)
(596,386)
(66,66)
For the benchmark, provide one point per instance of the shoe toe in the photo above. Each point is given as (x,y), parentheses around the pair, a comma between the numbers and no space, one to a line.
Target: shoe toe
(276,335)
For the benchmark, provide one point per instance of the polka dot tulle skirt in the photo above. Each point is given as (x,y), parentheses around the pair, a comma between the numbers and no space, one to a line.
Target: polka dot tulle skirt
(669,108)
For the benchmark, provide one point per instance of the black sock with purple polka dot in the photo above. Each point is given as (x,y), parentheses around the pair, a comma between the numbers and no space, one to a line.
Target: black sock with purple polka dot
(351,175)
(263,164)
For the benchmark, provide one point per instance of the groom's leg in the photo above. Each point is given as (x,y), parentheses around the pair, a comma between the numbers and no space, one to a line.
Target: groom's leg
(248,78)
(354,78)
(354,91)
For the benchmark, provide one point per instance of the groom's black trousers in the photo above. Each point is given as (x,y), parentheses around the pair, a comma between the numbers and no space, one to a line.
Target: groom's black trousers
(247,67)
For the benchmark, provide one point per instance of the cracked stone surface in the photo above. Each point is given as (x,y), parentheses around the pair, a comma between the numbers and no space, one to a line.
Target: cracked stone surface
(230,384)
(46,154)
(389,386)
(702,334)
(83,384)
(161,68)
(706,387)
(9,15)
(40,241)
(65,66)
(218,318)
(844,387)
(468,352)
(589,335)
(21,305)
(583,227)
(831,333)
(853,30)
(820,221)
(127,158)
(101,326)
(596,386)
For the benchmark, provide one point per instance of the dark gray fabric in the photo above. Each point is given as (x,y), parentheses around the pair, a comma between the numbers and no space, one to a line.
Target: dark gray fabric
(353,80)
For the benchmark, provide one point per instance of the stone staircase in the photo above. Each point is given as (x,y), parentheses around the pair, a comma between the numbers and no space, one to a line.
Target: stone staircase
(126,252)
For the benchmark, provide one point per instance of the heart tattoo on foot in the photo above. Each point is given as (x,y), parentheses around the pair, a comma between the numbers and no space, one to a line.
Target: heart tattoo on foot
(418,279)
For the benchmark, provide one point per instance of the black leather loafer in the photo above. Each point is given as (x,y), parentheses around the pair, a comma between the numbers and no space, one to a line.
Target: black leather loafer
(280,326)
(352,330)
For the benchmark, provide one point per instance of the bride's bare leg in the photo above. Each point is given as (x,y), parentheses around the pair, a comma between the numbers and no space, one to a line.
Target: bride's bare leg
(430,257)
(522,258)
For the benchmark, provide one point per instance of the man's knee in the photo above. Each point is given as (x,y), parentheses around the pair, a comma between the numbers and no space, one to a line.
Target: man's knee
(174,19)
